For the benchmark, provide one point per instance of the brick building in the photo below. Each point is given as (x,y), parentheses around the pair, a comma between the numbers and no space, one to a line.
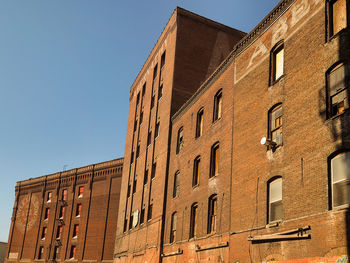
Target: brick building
(187,52)
(3,247)
(247,162)
(68,215)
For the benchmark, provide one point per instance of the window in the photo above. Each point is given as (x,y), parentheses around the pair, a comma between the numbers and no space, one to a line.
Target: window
(214,160)
(141,117)
(193,222)
(152,101)
(72,251)
(43,233)
(129,190)
(125,224)
(142,216)
(277,61)
(56,252)
(199,124)
(275,200)
(132,157)
(160,92)
(58,233)
(155,72)
(62,210)
(134,186)
(217,106)
(149,138)
(180,140)
(275,124)
(340,174)
(176,187)
(212,208)
(131,220)
(154,168)
(81,191)
(196,169)
(145,177)
(47,213)
(143,90)
(138,99)
(135,125)
(75,231)
(41,252)
(78,210)
(162,61)
(337,16)
(156,132)
(49,197)
(338,79)
(64,194)
(138,150)
(173,227)
(149,214)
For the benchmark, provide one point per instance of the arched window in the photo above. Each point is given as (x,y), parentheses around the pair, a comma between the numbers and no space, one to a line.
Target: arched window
(338,78)
(176,188)
(173,227)
(212,213)
(199,124)
(340,179)
(214,160)
(193,222)
(180,140)
(217,106)
(275,124)
(196,169)
(275,200)
(276,62)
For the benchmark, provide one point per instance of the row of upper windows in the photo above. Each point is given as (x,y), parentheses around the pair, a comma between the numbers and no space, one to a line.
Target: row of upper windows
(339,186)
(64,195)
(56,252)
(217,114)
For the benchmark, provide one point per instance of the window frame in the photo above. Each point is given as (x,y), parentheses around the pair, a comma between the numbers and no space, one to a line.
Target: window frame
(271,130)
(333,156)
(196,171)
(193,220)
(330,23)
(200,123)
(269,183)
(214,160)
(346,89)
(173,223)
(217,108)
(213,199)
(273,62)
(176,185)
(180,140)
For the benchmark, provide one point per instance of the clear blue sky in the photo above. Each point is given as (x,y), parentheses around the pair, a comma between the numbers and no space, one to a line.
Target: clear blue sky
(66,67)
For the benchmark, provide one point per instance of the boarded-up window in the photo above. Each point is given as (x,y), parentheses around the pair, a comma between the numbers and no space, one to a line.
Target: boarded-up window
(338,89)
(338,17)
(275,124)
(340,170)
(176,189)
(173,227)
(214,162)
(199,126)
(196,169)
(193,222)
(217,106)
(212,212)
(275,200)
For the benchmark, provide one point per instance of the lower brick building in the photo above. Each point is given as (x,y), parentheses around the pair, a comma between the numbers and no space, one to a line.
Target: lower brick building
(68,215)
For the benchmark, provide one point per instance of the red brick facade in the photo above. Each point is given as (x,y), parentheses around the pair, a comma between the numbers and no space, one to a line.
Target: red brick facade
(69,215)
(228,198)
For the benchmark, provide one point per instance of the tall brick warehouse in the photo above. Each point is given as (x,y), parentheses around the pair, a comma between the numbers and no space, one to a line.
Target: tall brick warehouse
(241,156)
(68,215)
